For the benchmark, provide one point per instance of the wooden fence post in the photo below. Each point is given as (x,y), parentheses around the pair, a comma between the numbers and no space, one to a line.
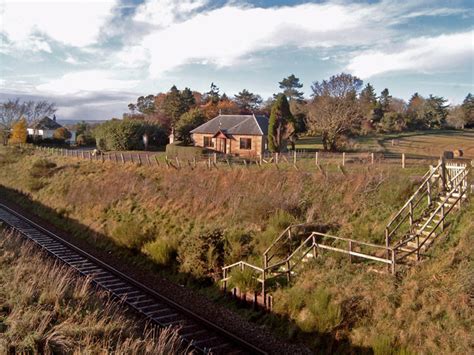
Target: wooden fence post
(148,160)
(403,160)
(343,158)
(215,158)
(316,158)
(122,158)
(294,157)
(350,251)
(139,159)
(372,158)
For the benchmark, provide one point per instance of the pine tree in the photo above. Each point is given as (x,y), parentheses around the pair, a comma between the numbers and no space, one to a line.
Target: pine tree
(213,94)
(368,102)
(290,86)
(385,99)
(247,101)
(19,132)
(188,99)
(173,105)
(281,124)
(436,111)
(468,110)
(415,111)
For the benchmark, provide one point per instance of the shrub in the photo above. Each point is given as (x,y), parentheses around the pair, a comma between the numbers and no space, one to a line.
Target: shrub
(62,134)
(162,252)
(238,245)
(42,168)
(83,139)
(184,152)
(326,313)
(129,233)
(187,122)
(245,280)
(128,135)
(202,253)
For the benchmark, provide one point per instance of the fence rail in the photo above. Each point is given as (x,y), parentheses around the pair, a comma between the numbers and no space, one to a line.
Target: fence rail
(297,159)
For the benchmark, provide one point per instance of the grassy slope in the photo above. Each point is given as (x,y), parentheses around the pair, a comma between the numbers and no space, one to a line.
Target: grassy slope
(424,143)
(333,298)
(428,309)
(45,308)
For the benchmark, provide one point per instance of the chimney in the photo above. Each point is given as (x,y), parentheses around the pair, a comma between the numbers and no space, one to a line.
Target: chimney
(54,118)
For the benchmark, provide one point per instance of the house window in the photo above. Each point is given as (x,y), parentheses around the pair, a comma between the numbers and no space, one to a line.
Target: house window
(208,142)
(245,143)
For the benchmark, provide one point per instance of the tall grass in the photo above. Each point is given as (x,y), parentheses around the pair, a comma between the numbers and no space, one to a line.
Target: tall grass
(47,309)
(163,214)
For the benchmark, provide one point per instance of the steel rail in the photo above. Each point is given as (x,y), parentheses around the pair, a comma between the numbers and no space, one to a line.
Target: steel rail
(199,333)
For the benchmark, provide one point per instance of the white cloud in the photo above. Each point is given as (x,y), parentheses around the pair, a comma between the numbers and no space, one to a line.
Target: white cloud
(423,54)
(226,35)
(163,13)
(86,80)
(73,22)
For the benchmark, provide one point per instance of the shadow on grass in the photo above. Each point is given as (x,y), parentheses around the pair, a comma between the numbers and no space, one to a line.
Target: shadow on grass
(136,264)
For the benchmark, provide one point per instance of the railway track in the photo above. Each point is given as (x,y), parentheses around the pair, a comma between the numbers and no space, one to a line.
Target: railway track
(199,333)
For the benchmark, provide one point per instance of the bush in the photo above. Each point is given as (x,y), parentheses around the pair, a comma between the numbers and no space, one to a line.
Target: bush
(129,234)
(162,252)
(245,280)
(187,122)
(84,139)
(128,135)
(179,150)
(62,134)
(202,254)
(42,168)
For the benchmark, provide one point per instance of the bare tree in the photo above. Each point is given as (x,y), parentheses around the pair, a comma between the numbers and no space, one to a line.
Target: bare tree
(334,110)
(12,110)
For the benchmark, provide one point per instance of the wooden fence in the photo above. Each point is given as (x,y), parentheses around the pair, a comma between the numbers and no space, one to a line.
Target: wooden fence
(294,159)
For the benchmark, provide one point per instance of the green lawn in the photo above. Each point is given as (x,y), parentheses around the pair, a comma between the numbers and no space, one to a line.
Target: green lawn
(424,143)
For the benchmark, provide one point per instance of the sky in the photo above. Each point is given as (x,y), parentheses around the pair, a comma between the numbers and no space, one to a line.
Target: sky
(93,57)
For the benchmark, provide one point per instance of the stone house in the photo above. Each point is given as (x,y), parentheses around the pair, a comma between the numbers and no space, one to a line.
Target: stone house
(240,135)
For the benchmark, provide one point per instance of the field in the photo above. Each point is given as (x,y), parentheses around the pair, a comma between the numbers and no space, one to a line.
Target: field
(185,224)
(421,143)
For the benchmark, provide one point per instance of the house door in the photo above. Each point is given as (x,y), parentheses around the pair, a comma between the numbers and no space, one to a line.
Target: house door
(222,145)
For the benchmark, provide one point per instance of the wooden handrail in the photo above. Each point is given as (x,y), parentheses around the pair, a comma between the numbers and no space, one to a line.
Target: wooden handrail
(242,263)
(435,212)
(430,175)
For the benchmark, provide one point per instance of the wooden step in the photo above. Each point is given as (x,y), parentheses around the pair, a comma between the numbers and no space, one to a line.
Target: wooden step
(425,232)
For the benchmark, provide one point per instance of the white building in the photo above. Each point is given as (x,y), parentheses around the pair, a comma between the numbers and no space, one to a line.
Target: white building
(44,129)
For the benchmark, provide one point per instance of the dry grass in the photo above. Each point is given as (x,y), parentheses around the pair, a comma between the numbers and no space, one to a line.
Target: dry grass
(251,206)
(45,308)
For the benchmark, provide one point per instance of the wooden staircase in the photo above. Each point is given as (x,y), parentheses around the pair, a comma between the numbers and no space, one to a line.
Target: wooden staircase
(408,235)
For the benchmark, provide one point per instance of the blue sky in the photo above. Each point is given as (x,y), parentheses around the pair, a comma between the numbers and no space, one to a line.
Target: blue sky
(93,57)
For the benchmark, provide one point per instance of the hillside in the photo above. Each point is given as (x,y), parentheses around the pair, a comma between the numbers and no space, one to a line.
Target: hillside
(188,223)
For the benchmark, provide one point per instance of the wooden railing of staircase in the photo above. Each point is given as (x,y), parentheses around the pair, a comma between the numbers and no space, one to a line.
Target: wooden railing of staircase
(459,187)
(407,211)
(456,184)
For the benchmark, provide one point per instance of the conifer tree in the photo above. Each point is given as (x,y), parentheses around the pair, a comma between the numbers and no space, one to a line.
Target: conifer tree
(281,124)
(290,86)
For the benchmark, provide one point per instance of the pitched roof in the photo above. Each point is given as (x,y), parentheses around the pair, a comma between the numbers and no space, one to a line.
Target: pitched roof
(235,124)
(46,123)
